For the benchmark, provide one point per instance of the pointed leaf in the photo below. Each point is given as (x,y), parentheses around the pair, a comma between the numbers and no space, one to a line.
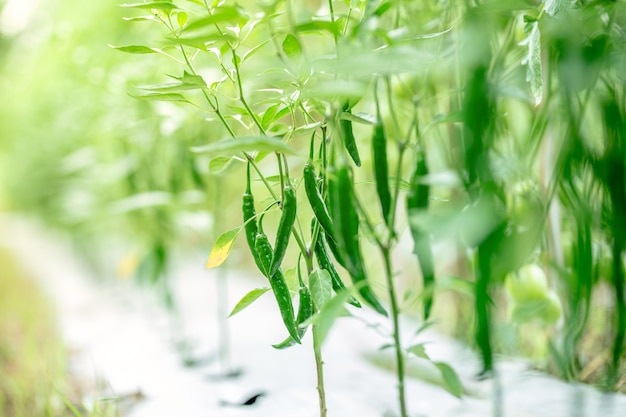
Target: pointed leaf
(318,26)
(161,97)
(419,351)
(136,49)
(220,15)
(451,381)
(159,5)
(140,18)
(222,247)
(245,144)
(248,299)
(217,165)
(362,118)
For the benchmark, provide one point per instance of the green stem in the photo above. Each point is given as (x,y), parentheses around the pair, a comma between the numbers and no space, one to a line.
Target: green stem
(241,96)
(332,19)
(319,367)
(396,332)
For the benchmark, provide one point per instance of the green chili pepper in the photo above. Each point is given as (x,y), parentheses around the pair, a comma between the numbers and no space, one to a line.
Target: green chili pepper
(249,218)
(305,311)
(331,203)
(347,134)
(325,263)
(416,200)
(346,217)
(278,284)
(287,220)
(381,170)
(315,199)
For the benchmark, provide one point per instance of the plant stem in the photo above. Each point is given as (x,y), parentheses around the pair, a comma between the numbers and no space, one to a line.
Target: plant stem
(319,367)
(396,332)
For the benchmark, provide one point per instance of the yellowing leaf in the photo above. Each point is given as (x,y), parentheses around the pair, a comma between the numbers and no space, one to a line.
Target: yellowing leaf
(222,247)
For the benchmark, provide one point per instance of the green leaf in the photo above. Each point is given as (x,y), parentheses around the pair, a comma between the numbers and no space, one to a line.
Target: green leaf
(182,18)
(159,5)
(248,299)
(219,164)
(362,118)
(553,7)
(321,287)
(245,144)
(200,41)
(419,351)
(534,72)
(328,314)
(254,50)
(222,247)
(161,97)
(186,82)
(269,115)
(291,47)
(136,49)
(220,15)
(318,26)
(169,88)
(451,381)
(193,79)
(291,278)
(140,18)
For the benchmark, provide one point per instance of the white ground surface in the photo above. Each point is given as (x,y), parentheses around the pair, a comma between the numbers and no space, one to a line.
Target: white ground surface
(121,336)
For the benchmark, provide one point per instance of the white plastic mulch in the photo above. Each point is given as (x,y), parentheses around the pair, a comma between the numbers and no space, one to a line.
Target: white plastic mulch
(120,335)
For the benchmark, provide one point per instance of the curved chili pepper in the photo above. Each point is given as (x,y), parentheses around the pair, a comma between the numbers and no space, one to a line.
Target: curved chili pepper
(278,284)
(287,220)
(305,311)
(315,199)
(249,218)
(347,219)
(381,170)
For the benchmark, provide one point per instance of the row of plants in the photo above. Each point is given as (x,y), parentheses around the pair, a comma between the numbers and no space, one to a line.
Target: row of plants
(485,136)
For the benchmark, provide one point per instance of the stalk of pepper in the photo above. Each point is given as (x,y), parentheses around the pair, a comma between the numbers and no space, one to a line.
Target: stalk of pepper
(249,218)
(347,219)
(416,201)
(278,284)
(287,220)
(381,170)
(325,263)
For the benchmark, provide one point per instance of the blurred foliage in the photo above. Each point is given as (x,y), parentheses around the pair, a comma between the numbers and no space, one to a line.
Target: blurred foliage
(519,107)
(32,362)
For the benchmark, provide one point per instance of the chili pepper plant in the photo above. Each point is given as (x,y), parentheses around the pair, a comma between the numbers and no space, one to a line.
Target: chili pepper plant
(443,113)
(461,163)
